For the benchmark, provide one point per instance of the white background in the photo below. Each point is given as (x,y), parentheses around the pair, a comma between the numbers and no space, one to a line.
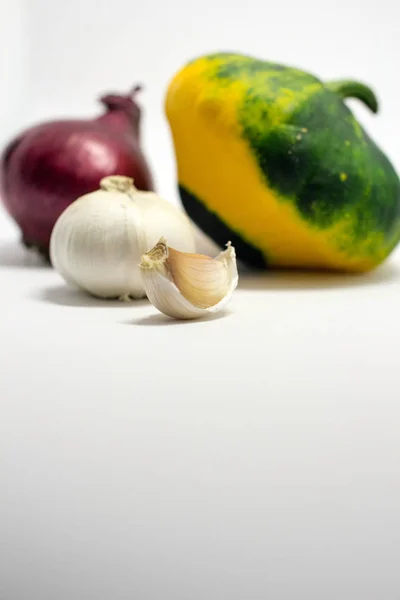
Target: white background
(251,457)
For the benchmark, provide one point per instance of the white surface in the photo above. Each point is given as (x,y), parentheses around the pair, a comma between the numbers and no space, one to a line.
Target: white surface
(250,457)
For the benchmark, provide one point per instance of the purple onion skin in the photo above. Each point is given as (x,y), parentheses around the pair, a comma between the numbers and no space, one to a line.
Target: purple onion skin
(47,167)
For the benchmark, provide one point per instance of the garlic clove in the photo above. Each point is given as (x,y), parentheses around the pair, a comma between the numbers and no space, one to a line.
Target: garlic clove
(188,286)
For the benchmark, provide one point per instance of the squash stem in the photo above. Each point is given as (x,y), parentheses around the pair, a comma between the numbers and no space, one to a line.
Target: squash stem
(353,89)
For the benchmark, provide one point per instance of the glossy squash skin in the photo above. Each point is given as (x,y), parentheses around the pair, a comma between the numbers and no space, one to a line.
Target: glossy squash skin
(272,158)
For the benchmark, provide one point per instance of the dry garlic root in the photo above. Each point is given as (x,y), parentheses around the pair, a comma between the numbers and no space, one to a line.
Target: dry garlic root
(188,286)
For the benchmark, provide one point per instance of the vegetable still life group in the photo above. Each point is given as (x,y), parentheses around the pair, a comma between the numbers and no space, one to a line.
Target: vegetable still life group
(271,164)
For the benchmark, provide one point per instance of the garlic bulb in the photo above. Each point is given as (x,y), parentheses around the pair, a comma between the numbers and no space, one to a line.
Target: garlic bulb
(97,242)
(188,286)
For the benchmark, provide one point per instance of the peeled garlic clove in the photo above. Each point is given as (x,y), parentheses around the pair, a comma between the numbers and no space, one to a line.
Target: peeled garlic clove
(188,286)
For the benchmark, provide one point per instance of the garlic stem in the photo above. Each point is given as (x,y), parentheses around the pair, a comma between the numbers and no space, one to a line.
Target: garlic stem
(117,183)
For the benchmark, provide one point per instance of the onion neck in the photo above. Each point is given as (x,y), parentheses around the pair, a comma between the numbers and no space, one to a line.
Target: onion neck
(122,112)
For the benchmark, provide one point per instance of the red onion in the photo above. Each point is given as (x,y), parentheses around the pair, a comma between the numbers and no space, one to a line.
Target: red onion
(50,165)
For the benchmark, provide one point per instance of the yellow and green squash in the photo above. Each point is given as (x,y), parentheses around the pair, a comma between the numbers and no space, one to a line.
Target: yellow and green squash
(272,158)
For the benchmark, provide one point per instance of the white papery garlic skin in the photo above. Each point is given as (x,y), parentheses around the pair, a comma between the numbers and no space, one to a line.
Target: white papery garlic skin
(98,241)
(188,286)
